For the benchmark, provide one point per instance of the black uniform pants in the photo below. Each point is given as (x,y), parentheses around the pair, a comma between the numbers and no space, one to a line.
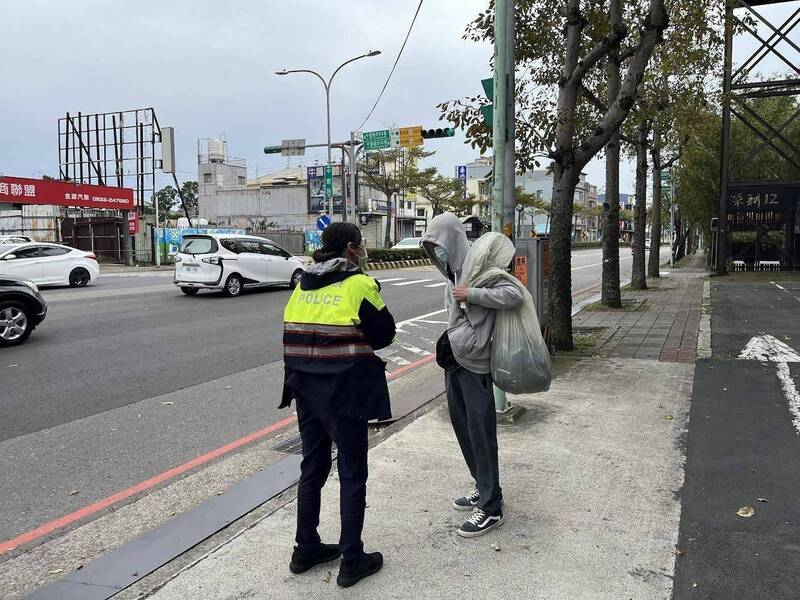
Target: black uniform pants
(318,428)
(470,399)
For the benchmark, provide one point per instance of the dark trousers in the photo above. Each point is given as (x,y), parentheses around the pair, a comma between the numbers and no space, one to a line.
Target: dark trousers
(318,428)
(471,402)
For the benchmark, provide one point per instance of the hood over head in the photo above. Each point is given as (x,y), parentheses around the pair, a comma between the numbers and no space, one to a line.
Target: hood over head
(492,250)
(319,275)
(447,231)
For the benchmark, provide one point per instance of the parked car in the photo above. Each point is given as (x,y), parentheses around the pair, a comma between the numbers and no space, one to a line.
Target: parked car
(49,264)
(14,239)
(411,243)
(22,308)
(231,263)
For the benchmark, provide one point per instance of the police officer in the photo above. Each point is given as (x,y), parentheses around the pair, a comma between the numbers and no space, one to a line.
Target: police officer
(333,322)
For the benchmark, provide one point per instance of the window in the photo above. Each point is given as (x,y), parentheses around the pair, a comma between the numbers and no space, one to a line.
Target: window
(420,212)
(208,178)
(250,246)
(54,251)
(199,244)
(29,252)
(230,245)
(242,180)
(269,249)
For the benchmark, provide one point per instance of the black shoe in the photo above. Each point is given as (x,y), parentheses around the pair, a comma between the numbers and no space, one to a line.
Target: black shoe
(479,523)
(352,573)
(467,502)
(303,561)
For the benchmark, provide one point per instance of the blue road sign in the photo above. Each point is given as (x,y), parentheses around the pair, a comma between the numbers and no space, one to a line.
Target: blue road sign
(323,222)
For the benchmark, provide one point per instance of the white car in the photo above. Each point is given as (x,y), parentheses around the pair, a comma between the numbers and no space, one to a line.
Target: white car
(49,264)
(413,243)
(231,263)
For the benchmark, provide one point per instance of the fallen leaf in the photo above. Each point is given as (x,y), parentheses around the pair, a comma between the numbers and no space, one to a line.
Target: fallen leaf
(762,499)
(669,417)
(327,578)
(73,493)
(676,552)
(168,403)
(495,547)
(56,571)
(746,512)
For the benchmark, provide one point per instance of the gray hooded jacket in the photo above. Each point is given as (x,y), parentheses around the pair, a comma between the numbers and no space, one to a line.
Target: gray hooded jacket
(469,327)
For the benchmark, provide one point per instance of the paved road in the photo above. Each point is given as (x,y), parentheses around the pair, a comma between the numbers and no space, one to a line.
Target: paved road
(129,377)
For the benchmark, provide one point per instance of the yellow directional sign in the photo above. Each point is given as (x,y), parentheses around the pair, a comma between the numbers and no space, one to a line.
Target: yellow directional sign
(411,136)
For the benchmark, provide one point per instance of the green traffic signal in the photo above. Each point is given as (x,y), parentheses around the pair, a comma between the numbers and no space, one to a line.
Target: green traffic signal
(438,133)
(272,149)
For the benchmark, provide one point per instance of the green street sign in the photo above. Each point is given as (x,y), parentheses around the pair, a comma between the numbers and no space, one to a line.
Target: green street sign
(665,176)
(377,140)
(328,181)
(487,110)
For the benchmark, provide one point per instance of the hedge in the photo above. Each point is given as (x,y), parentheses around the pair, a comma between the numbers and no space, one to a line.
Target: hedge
(383,255)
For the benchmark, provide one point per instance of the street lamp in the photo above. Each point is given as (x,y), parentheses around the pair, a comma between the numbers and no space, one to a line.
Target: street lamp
(327,85)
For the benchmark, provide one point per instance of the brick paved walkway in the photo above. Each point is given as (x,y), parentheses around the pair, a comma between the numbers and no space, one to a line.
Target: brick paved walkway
(660,323)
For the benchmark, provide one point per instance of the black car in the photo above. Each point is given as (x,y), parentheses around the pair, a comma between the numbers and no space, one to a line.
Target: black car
(22,308)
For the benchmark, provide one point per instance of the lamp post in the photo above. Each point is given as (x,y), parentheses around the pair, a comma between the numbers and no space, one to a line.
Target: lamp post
(327,85)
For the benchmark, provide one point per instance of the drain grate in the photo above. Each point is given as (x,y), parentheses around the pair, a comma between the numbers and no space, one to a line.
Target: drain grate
(291,445)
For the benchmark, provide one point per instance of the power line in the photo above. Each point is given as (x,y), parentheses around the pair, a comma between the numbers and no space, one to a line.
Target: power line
(399,54)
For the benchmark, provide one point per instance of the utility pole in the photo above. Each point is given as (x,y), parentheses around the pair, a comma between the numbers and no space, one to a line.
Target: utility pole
(503,170)
(673,239)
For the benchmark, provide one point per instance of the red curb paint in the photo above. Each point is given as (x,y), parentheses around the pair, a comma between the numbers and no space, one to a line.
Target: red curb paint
(95,507)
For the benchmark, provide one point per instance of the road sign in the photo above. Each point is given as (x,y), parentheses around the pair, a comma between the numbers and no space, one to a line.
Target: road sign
(323,222)
(328,182)
(377,140)
(410,136)
(293,147)
(133,223)
(487,110)
(462,177)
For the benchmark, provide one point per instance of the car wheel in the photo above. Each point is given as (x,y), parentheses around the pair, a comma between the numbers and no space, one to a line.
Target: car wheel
(233,286)
(15,323)
(79,277)
(296,277)
(189,291)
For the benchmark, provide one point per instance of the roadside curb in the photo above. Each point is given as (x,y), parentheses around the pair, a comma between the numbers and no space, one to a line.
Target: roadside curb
(704,335)
(398,264)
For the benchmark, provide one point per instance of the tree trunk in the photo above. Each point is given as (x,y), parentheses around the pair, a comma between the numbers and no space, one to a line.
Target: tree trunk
(564,182)
(654,261)
(638,278)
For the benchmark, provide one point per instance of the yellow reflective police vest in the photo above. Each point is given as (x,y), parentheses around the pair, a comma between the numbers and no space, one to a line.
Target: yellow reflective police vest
(323,323)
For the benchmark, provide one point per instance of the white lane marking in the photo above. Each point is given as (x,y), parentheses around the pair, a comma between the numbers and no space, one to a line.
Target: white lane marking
(600,264)
(412,282)
(767,348)
(420,318)
(434,285)
(415,350)
(783,289)
(390,279)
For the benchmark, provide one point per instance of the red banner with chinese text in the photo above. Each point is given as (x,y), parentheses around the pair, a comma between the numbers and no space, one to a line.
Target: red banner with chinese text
(21,190)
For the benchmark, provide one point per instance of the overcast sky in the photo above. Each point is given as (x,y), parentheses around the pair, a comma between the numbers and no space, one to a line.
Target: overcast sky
(207,68)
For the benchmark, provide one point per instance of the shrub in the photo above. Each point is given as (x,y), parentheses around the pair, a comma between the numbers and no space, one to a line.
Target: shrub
(382,255)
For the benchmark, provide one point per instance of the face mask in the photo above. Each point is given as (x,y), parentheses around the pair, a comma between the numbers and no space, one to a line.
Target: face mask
(441,254)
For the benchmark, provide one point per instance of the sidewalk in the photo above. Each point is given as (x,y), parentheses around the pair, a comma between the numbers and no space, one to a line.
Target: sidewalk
(592,477)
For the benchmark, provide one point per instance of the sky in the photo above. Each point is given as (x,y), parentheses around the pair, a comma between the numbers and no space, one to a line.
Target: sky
(207,68)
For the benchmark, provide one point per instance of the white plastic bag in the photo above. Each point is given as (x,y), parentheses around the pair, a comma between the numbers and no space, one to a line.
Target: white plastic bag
(520,358)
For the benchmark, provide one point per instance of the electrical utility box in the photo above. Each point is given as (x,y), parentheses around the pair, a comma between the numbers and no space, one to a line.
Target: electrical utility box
(532,268)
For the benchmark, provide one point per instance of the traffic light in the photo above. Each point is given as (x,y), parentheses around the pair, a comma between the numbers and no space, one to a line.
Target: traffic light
(273,149)
(428,134)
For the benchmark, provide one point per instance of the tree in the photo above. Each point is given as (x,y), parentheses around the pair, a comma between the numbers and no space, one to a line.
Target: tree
(526,203)
(561,47)
(189,194)
(393,172)
(166,198)
(444,193)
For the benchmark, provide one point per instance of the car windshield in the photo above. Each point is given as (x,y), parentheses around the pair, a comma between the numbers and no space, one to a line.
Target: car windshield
(409,242)
(198,245)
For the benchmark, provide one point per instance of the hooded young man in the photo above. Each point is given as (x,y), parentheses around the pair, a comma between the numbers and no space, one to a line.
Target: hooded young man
(468,380)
